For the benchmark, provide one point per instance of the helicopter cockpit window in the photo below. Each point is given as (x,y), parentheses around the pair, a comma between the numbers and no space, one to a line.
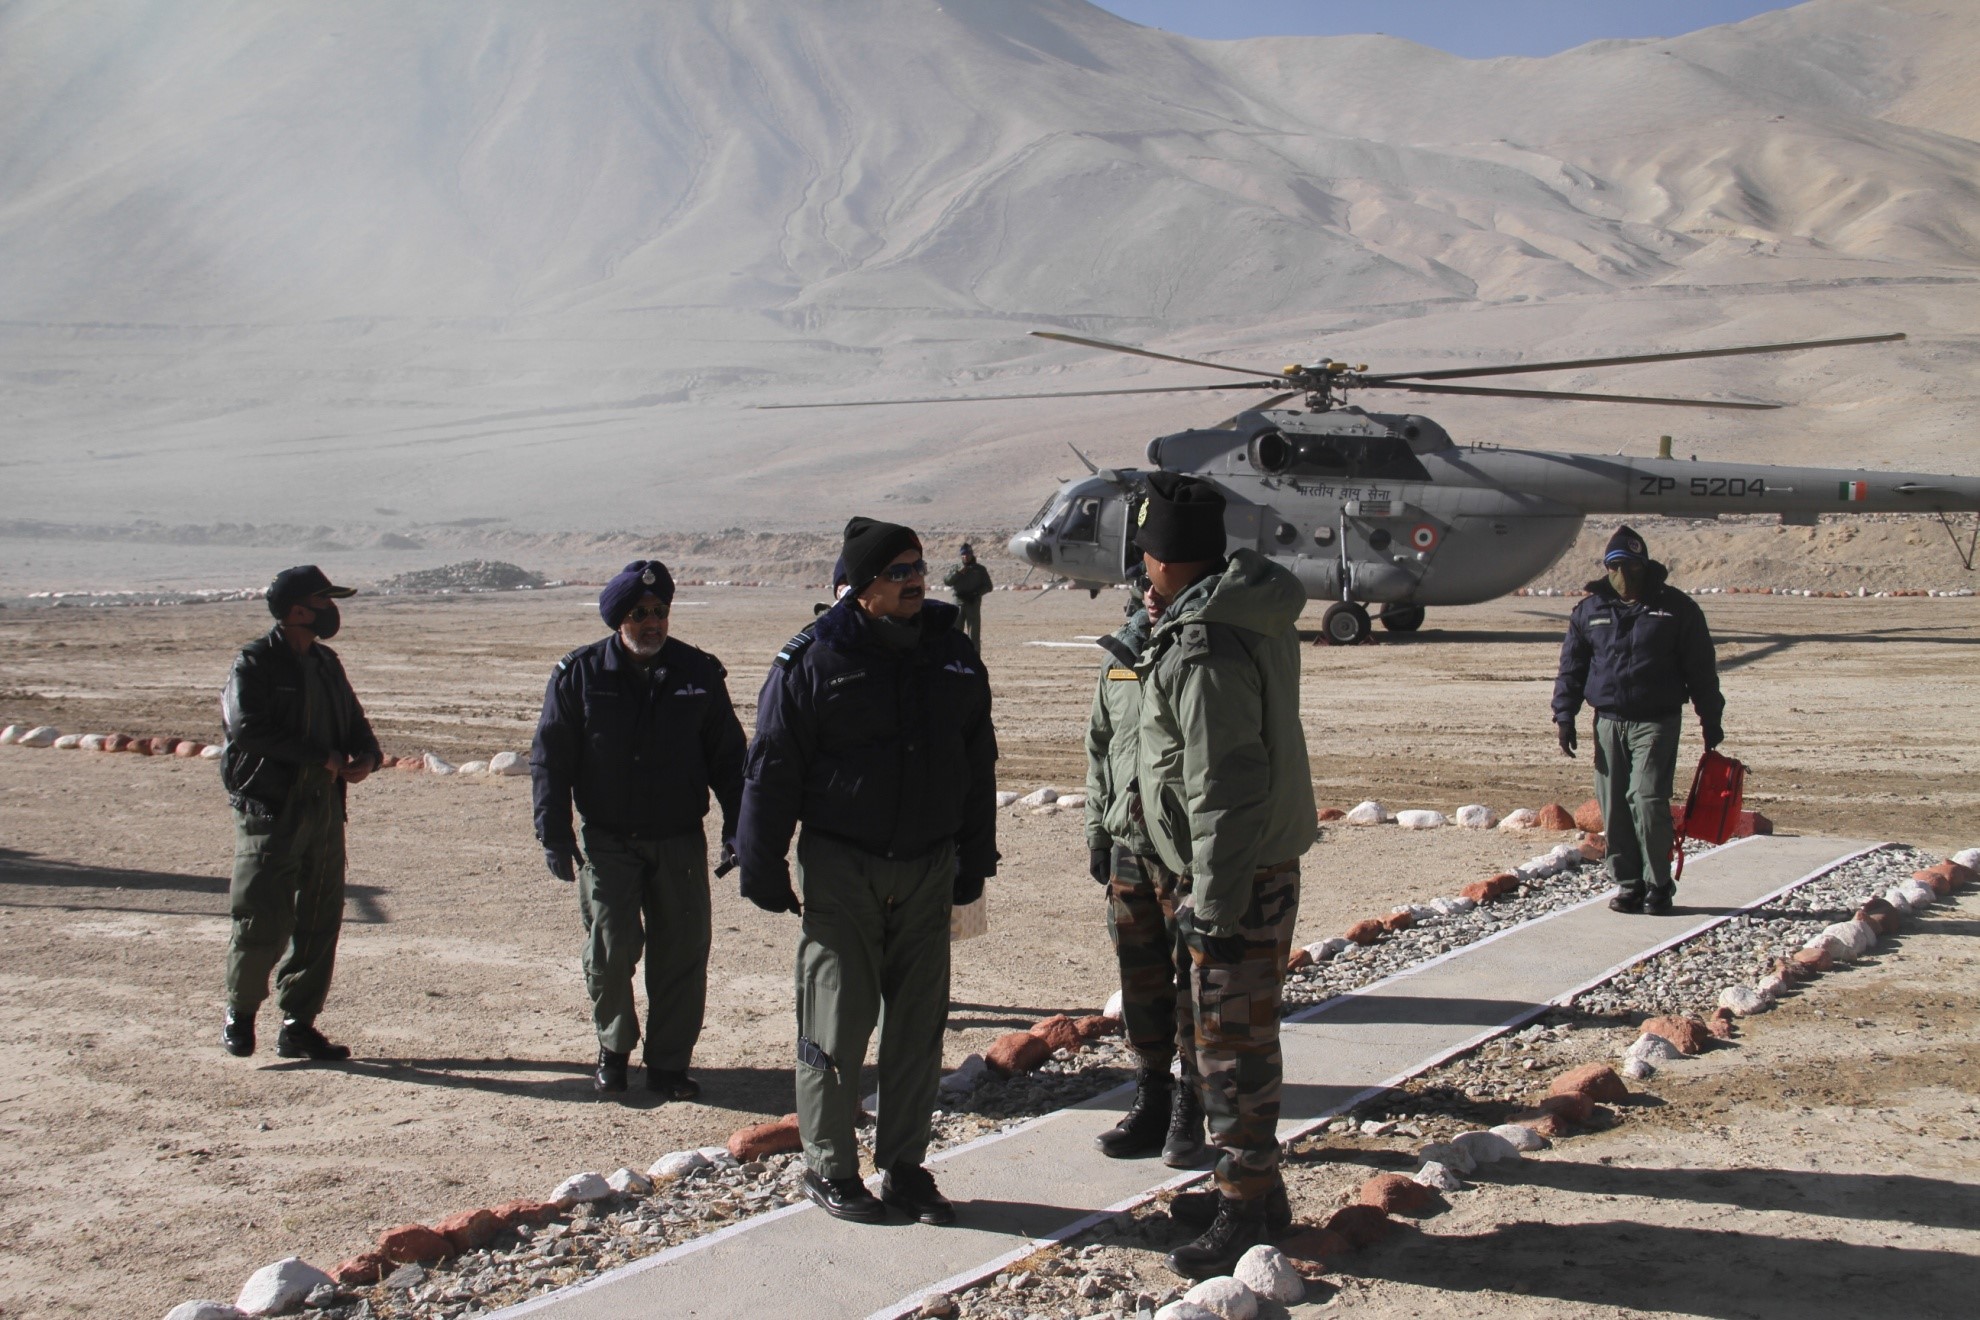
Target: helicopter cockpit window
(1080,520)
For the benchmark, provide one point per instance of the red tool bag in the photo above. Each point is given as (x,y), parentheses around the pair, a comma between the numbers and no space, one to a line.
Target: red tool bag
(1711,810)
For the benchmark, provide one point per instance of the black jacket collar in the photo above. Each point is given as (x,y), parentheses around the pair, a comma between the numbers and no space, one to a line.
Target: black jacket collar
(843,627)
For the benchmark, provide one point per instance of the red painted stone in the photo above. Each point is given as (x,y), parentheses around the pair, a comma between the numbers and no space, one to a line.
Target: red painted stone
(1597,1081)
(513,1214)
(1588,816)
(778,1138)
(1393,1194)
(413,1244)
(1687,1034)
(1396,921)
(1480,891)
(1556,1116)
(1315,1246)
(1016,1052)
(143,746)
(360,1271)
(188,747)
(1554,816)
(1297,959)
(1361,1225)
(1332,813)
(1058,1032)
(1881,916)
(1594,847)
(1095,1026)
(1816,960)
(1364,932)
(469,1229)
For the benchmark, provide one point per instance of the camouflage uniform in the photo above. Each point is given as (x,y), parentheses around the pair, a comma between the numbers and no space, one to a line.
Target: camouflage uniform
(1228,803)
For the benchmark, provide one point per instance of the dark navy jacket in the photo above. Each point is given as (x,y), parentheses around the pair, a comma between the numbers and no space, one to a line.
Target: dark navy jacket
(890,751)
(1638,660)
(265,714)
(638,749)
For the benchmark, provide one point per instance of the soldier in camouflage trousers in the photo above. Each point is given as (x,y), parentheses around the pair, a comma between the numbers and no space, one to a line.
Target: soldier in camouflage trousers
(1227,799)
(1166,1117)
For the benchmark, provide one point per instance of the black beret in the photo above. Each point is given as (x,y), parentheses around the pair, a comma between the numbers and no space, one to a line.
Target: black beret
(871,546)
(1182,520)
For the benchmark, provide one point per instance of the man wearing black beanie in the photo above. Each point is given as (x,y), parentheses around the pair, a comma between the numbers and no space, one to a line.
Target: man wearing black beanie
(1227,797)
(872,732)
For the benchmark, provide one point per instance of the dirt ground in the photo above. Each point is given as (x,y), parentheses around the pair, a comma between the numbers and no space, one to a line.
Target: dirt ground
(142,1166)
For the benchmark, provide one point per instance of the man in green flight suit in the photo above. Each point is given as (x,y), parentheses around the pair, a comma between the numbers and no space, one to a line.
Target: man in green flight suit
(1227,798)
(296,739)
(1166,1117)
(970,583)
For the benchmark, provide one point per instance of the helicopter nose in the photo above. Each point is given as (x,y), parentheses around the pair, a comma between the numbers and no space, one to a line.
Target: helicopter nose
(1029,546)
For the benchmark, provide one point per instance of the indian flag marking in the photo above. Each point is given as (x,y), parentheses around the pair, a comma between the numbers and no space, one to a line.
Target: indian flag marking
(1853,490)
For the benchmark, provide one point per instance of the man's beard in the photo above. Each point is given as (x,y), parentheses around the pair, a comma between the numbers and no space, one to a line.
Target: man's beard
(643,649)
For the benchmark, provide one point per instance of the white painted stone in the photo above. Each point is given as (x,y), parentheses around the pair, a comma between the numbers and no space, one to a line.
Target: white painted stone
(1367,813)
(1639,1070)
(1539,868)
(1265,1270)
(1838,951)
(1005,797)
(1113,1007)
(1422,820)
(1438,1177)
(582,1187)
(1071,800)
(1523,818)
(1772,986)
(91,742)
(1921,894)
(718,1156)
(1743,1000)
(1449,1154)
(1856,938)
(627,1182)
(1475,817)
(474,767)
(204,1310)
(1224,1297)
(507,763)
(436,766)
(275,1288)
(69,741)
(1652,1048)
(11,734)
(1520,1137)
(969,1074)
(677,1164)
(1452,906)
(1568,855)
(210,752)
(1968,858)
(1898,899)
(42,735)
(1039,797)
(1184,1310)
(1485,1147)
(1376,1127)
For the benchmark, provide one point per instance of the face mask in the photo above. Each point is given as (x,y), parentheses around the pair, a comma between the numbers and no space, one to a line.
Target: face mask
(326,623)
(1624,580)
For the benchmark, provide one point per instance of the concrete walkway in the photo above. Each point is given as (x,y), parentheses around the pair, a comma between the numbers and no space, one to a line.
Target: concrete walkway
(1044,1181)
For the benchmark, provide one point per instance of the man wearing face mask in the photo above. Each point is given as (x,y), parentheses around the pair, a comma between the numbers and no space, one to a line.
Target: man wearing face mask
(1637,649)
(873,732)
(637,729)
(296,739)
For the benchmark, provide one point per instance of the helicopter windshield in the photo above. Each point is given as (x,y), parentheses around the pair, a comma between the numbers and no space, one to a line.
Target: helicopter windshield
(1078,519)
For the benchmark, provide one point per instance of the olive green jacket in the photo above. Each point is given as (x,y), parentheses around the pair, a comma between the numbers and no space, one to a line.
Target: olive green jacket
(1111,744)
(1225,785)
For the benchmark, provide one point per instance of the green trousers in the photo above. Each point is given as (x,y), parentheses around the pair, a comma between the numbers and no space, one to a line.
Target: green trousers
(1236,1010)
(1634,763)
(287,898)
(646,897)
(1154,962)
(972,620)
(874,947)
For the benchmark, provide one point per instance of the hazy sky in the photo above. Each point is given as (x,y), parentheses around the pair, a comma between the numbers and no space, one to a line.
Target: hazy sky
(1478,29)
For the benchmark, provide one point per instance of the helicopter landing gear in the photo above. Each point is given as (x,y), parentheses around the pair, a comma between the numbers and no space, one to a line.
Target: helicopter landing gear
(1344,624)
(1402,618)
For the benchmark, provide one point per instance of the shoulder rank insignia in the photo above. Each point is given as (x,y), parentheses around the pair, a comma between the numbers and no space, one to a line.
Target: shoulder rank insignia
(1120,675)
(565,663)
(794,648)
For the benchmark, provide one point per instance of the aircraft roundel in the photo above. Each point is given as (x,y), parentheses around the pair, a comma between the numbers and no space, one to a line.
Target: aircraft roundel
(1423,536)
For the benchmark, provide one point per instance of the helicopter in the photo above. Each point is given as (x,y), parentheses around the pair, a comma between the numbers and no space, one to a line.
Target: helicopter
(1376,508)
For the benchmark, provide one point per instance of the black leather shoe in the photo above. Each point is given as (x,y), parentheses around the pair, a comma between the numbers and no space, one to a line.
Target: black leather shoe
(844,1198)
(911,1189)
(237,1034)
(671,1083)
(1198,1210)
(1658,905)
(1631,903)
(1238,1227)
(1142,1132)
(1184,1147)
(610,1076)
(301,1040)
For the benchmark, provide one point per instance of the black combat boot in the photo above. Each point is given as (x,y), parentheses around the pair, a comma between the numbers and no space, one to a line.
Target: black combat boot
(845,1198)
(237,1033)
(1184,1148)
(610,1077)
(911,1189)
(1238,1227)
(671,1083)
(1199,1209)
(1145,1128)
(301,1040)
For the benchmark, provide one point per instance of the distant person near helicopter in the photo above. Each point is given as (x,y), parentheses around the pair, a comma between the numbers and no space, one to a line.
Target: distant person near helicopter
(1637,649)
(969,581)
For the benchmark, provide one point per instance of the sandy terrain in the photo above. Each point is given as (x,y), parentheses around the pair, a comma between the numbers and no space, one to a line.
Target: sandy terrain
(142,1161)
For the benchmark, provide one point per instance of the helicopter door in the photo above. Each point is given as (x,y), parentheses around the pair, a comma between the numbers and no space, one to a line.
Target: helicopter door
(1241,525)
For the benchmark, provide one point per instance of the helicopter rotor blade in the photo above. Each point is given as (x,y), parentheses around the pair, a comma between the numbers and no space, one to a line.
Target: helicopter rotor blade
(1562,394)
(1272,402)
(1091,466)
(1457,373)
(1049,394)
(1150,353)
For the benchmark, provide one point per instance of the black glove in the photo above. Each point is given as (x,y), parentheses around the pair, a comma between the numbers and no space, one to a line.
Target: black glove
(727,861)
(563,863)
(1715,733)
(967,889)
(772,894)
(1099,864)
(1568,741)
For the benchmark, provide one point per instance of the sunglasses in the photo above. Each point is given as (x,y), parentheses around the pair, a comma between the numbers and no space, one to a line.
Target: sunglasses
(640,613)
(902,572)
